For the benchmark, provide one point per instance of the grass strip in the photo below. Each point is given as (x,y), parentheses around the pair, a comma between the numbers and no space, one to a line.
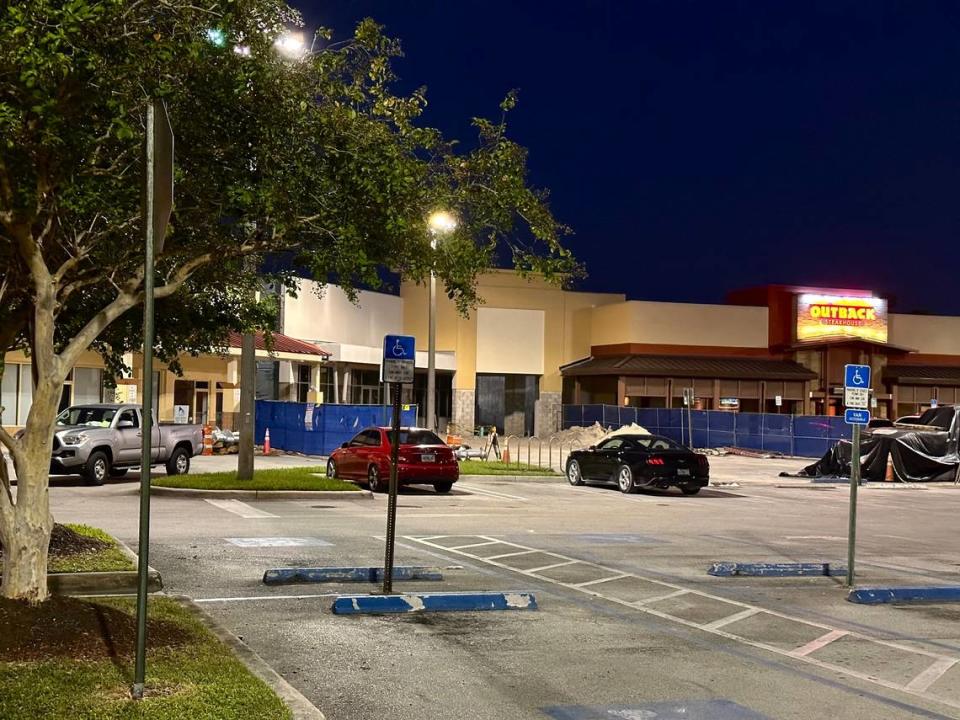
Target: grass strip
(495,467)
(108,559)
(190,674)
(306,478)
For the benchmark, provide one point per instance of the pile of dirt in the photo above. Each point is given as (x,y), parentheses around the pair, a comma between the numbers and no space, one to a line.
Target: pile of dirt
(66,627)
(65,542)
(583,436)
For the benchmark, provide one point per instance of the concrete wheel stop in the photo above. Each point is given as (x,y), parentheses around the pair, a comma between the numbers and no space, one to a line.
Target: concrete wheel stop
(735,569)
(292,576)
(432,602)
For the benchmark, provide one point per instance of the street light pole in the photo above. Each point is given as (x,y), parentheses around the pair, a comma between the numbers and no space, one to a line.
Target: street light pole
(432,349)
(440,223)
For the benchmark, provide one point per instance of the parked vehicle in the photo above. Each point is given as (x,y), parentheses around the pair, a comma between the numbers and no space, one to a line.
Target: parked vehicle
(424,459)
(97,441)
(638,461)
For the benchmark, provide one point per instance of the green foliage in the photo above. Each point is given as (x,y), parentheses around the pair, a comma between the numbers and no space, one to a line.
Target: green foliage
(106,560)
(495,467)
(304,478)
(316,158)
(200,679)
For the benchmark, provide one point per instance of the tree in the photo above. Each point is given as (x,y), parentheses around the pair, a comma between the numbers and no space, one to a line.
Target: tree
(315,158)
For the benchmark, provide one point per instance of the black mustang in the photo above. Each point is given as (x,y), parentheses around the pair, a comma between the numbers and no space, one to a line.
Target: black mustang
(636,461)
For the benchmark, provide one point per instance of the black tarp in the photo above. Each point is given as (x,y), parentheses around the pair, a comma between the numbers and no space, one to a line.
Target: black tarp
(925,452)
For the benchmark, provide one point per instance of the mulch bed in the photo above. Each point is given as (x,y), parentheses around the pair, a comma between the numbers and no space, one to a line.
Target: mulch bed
(65,627)
(65,542)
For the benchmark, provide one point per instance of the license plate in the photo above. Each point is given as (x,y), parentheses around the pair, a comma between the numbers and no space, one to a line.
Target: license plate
(683,471)
(428,457)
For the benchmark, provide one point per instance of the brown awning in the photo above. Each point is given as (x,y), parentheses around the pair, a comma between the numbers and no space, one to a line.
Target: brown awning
(922,374)
(690,367)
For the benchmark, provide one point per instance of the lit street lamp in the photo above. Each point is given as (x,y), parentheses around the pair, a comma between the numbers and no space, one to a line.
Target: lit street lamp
(291,45)
(440,223)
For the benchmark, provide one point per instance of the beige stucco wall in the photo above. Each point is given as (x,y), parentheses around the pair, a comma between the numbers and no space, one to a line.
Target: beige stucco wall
(928,334)
(333,318)
(565,338)
(662,323)
(510,341)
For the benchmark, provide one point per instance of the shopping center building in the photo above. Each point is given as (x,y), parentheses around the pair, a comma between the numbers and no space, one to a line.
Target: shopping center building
(531,347)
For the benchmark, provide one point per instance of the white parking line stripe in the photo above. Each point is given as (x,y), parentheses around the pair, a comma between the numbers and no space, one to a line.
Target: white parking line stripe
(549,567)
(658,598)
(479,544)
(730,619)
(263,597)
(240,508)
(923,681)
(511,554)
(491,493)
(601,580)
(820,642)
(801,654)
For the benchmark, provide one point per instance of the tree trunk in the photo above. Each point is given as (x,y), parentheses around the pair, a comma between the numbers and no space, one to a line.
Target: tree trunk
(27,538)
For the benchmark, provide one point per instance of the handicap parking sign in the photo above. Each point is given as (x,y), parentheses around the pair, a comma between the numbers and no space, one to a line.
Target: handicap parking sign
(856,376)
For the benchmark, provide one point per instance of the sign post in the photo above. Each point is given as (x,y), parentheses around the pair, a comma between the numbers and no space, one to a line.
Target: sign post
(856,396)
(399,360)
(157,206)
(688,400)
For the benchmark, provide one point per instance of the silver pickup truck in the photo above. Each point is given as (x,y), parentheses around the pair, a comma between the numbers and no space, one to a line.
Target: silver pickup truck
(97,441)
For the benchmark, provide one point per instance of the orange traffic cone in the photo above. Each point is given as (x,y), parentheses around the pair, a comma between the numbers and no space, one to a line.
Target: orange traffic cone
(506,456)
(266,442)
(207,440)
(889,476)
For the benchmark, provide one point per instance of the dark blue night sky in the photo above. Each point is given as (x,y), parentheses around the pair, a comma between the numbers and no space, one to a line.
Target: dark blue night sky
(701,147)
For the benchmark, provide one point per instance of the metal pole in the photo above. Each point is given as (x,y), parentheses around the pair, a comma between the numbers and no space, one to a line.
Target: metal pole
(392,499)
(143,550)
(690,419)
(854,485)
(432,350)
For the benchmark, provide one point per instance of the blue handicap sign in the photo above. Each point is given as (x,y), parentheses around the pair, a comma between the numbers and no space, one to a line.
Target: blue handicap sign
(856,416)
(856,376)
(398,347)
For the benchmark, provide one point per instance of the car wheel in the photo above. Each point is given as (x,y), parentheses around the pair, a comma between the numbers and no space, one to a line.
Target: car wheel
(97,468)
(443,487)
(690,489)
(331,468)
(374,481)
(574,476)
(179,462)
(625,479)
(118,472)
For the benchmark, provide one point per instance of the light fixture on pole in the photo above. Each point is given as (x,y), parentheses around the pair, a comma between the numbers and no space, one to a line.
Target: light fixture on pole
(440,223)
(291,45)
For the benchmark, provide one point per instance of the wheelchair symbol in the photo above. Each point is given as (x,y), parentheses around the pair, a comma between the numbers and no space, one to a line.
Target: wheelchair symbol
(857,377)
(398,350)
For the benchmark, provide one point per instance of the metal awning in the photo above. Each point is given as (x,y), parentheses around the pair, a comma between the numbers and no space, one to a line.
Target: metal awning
(922,374)
(689,367)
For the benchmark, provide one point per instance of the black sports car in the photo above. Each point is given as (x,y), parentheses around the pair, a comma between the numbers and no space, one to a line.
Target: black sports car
(637,461)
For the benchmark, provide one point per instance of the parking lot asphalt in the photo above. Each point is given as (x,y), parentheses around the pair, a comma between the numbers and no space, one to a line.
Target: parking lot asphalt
(630,625)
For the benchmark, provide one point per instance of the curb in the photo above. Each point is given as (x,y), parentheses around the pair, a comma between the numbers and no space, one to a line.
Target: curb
(112,582)
(260,494)
(300,707)
(432,602)
(515,478)
(732,569)
(878,596)
(289,576)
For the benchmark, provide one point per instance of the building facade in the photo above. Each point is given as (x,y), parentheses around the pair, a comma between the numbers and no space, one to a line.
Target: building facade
(531,347)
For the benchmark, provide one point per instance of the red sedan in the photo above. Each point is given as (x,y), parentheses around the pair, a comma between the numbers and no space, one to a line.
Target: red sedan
(424,459)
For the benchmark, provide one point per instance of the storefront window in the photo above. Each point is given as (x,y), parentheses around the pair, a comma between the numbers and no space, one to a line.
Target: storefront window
(303,382)
(87,386)
(8,394)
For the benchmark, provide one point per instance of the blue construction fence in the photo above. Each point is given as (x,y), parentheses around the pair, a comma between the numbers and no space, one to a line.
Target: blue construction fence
(318,429)
(798,435)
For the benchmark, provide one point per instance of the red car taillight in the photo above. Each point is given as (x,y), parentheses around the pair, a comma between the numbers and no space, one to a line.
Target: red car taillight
(654,461)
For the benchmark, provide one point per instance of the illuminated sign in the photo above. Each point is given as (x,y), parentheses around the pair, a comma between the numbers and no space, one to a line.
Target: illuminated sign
(836,316)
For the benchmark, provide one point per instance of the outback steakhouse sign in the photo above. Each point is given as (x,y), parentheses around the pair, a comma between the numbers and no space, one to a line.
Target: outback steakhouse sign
(832,316)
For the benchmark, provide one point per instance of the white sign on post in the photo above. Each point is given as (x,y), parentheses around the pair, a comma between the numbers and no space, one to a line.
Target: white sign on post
(778,400)
(856,397)
(181,414)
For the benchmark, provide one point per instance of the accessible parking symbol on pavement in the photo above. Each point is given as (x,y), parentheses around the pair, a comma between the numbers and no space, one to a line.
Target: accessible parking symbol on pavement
(682,710)
(257,542)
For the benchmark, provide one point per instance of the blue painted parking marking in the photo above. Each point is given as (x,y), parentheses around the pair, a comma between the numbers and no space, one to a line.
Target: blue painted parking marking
(286,576)
(732,569)
(279,542)
(677,710)
(876,596)
(432,602)
(619,539)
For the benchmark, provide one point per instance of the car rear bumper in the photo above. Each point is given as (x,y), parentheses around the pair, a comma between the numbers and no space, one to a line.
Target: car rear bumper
(673,480)
(426,473)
